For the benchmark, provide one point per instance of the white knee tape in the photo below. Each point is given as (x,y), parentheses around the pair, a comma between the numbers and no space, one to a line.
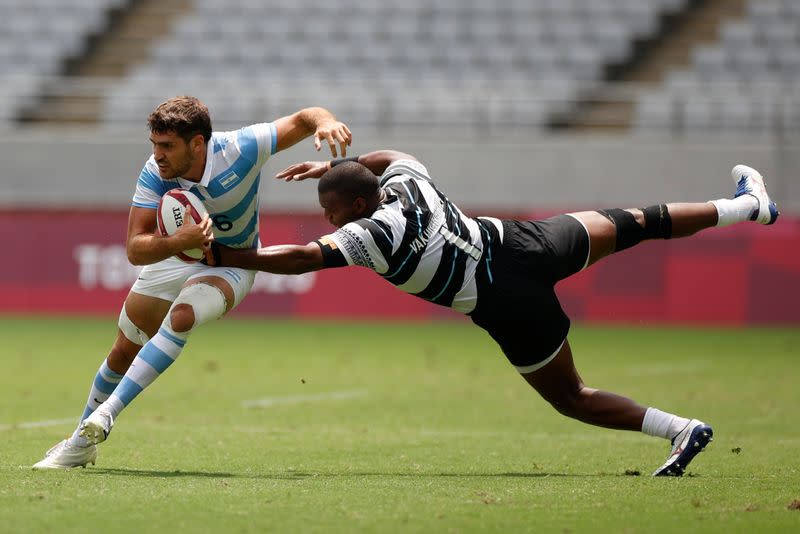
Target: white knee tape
(131,331)
(207,302)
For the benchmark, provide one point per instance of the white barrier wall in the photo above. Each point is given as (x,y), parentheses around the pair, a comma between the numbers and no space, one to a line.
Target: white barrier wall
(91,168)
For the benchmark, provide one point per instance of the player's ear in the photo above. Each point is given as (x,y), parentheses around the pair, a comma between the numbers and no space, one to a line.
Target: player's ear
(196,141)
(360,205)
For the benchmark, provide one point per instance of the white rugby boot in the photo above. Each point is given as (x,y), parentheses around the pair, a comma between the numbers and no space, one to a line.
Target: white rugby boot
(685,446)
(63,455)
(750,182)
(97,426)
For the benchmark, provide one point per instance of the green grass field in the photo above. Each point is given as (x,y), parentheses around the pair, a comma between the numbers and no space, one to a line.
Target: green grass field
(403,427)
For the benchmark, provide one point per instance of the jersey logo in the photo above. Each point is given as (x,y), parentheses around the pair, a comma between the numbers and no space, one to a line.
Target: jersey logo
(228,179)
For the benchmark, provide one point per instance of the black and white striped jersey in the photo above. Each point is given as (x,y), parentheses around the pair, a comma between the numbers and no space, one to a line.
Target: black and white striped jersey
(420,241)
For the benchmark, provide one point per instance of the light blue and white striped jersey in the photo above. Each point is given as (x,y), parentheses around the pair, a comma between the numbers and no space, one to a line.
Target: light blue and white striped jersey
(229,186)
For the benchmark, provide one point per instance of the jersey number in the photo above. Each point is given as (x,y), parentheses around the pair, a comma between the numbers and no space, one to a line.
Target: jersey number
(222,222)
(473,251)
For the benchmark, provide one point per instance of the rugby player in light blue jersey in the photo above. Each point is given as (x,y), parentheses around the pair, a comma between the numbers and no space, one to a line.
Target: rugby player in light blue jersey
(171,298)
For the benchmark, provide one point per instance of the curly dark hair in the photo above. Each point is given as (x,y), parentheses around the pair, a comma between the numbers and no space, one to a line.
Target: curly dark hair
(184,115)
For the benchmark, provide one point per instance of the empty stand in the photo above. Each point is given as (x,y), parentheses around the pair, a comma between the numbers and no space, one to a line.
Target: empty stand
(449,63)
(748,81)
(469,64)
(36,38)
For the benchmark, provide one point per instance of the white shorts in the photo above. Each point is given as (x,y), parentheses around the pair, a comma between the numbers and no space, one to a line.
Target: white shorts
(165,279)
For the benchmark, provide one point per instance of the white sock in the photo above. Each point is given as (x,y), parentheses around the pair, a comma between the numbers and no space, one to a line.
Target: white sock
(662,424)
(735,210)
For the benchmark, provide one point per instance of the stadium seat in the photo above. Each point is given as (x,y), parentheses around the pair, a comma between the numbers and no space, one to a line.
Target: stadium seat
(412,49)
(752,71)
(36,38)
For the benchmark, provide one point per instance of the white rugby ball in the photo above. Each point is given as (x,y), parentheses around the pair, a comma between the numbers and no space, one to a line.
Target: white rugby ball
(175,208)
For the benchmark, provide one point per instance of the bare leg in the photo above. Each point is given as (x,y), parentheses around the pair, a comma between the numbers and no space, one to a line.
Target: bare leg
(559,383)
(146,313)
(687,219)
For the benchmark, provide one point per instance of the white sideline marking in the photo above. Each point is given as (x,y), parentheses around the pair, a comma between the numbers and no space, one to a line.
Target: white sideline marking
(38,424)
(297,399)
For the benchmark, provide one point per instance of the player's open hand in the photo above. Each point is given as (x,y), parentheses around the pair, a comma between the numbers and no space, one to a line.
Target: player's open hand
(301,171)
(333,132)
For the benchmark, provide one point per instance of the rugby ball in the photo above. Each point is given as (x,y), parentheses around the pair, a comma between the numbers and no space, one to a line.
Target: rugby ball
(177,206)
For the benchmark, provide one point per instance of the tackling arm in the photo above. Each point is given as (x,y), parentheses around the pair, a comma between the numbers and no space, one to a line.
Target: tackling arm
(278,259)
(376,162)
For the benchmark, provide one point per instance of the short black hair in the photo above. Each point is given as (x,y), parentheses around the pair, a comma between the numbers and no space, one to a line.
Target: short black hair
(184,115)
(349,179)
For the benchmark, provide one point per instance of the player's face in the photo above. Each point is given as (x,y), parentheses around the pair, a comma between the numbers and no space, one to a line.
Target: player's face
(173,155)
(339,210)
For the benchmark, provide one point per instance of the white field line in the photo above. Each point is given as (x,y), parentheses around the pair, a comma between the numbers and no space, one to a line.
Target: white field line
(39,424)
(267,402)
(256,403)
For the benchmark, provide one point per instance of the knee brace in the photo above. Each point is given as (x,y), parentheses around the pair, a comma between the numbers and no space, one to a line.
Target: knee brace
(130,330)
(629,232)
(657,225)
(206,300)
(657,222)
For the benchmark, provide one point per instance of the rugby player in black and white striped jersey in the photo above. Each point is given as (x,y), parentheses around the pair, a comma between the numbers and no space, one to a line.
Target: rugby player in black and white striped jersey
(392,219)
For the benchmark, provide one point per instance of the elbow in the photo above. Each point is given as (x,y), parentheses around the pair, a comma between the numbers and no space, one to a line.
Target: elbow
(134,258)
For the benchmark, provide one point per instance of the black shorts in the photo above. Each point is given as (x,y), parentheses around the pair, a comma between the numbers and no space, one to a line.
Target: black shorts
(516,301)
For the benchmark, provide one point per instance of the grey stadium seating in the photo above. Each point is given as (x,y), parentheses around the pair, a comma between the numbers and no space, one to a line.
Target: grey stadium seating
(462,63)
(468,64)
(748,81)
(36,36)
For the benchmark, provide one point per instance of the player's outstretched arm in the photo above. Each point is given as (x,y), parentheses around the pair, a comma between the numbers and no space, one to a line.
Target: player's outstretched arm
(317,121)
(278,259)
(377,162)
(144,246)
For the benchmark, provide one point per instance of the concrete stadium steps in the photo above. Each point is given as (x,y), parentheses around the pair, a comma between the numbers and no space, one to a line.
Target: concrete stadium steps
(671,48)
(134,28)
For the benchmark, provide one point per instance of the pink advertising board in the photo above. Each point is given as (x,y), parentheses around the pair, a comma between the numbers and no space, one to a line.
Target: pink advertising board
(74,262)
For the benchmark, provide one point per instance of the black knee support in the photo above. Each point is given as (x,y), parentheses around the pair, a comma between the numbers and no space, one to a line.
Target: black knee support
(629,232)
(657,222)
(657,225)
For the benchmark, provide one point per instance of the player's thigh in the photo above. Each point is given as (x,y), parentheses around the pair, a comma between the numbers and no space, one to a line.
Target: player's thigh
(602,234)
(151,296)
(546,250)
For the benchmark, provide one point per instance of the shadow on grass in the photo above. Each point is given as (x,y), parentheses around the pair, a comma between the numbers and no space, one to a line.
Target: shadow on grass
(298,475)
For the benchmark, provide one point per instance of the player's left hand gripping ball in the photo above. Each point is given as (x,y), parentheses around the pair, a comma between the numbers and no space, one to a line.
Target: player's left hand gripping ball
(178,207)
